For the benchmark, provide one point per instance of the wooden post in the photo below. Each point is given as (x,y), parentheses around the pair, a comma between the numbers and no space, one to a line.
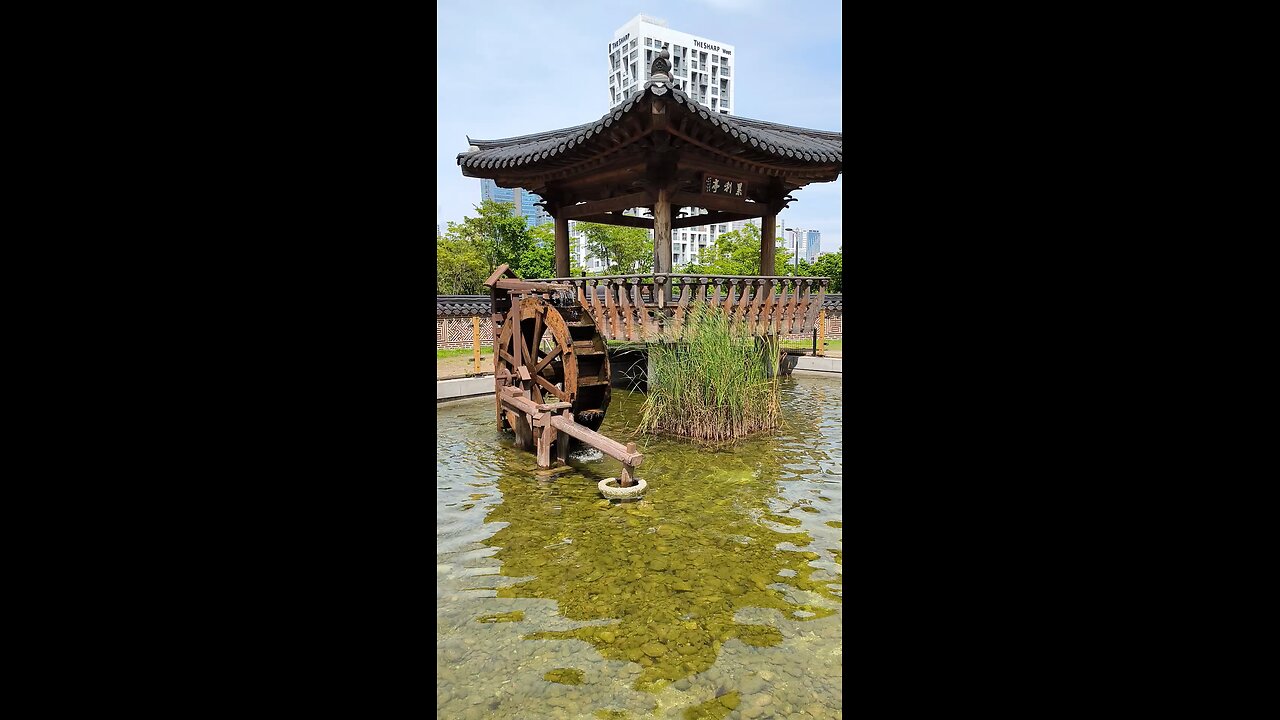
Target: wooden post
(768,243)
(562,247)
(475,343)
(562,447)
(822,331)
(626,480)
(662,238)
(545,434)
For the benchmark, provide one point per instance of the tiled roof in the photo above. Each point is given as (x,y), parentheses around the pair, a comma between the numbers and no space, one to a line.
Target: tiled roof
(769,140)
(462,305)
(468,305)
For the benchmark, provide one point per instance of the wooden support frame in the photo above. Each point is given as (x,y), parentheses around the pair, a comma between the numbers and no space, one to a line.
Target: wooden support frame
(562,246)
(596,207)
(620,220)
(720,202)
(710,218)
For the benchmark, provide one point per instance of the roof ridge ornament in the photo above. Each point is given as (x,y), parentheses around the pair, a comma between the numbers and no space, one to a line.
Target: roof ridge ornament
(662,64)
(660,72)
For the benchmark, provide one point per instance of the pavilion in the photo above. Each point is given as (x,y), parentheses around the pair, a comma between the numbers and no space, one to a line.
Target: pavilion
(661,150)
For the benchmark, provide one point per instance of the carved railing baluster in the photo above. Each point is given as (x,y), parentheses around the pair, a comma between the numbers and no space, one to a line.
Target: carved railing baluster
(656,307)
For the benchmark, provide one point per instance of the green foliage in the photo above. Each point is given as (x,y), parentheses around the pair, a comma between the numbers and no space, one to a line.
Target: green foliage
(501,233)
(624,250)
(738,253)
(468,252)
(539,261)
(460,266)
(830,265)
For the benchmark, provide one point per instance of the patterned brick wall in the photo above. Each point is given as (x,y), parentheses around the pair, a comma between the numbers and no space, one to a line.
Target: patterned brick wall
(455,332)
(833,330)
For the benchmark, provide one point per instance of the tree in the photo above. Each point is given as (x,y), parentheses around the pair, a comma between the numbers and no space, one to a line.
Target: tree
(498,233)
(624,250)
(460,267)
(737,252)
(539,261)
(830,265)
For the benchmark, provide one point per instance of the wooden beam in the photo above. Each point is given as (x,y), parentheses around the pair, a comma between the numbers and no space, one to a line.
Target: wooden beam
(562,247)
(596,207)
(497,273)
(619,219)
(710,218)
(612,448)
(517,285)
(719,202)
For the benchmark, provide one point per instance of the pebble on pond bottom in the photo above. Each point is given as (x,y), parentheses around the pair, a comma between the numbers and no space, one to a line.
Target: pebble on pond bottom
(716,596)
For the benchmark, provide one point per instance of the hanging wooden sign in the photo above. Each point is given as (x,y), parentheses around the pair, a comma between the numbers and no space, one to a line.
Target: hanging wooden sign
(720,185)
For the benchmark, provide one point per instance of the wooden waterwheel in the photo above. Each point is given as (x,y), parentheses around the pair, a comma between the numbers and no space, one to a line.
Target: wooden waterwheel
(557,355)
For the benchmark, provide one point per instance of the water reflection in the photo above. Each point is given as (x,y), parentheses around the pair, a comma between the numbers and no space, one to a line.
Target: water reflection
(716,596)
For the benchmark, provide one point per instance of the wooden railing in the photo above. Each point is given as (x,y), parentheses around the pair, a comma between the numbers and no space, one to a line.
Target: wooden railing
(654,307)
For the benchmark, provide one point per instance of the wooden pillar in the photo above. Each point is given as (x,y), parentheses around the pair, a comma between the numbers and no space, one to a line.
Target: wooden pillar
(768,243)
(562,446)
(820,346)
(562,247)
(662,236)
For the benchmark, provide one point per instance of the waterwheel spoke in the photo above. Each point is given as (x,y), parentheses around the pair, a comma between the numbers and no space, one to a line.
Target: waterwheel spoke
(548,358)
(564,396)
(538,328)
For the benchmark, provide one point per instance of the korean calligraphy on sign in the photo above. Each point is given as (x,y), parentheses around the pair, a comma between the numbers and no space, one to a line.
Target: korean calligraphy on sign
(717,185)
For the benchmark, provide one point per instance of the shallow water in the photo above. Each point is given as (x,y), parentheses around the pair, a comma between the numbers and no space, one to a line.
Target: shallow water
(717,595)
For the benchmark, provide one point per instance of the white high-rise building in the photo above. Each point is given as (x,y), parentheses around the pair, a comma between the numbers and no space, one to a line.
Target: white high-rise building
(700,67)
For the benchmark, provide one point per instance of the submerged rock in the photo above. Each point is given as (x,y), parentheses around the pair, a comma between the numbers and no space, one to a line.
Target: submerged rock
(653,649)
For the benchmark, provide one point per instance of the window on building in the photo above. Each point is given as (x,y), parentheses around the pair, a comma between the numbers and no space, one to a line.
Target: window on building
(634,44)
(648,42)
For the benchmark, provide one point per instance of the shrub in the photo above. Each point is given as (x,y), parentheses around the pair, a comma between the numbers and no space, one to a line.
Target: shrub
(715,385)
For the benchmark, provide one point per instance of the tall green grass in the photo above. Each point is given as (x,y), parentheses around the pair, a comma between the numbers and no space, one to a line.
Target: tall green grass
(713,385)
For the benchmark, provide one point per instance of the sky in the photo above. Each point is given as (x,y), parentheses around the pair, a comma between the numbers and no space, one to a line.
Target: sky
(515,68)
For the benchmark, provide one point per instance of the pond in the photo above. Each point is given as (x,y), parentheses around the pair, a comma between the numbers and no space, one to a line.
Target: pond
(718,595)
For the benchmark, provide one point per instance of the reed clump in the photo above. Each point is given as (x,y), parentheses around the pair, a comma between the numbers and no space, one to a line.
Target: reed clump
(714,384)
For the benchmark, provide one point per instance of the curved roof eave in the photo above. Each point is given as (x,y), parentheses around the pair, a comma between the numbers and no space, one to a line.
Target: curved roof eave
(783,141)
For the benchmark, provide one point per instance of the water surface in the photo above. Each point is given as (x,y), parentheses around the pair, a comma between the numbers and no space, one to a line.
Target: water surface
(717,595)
